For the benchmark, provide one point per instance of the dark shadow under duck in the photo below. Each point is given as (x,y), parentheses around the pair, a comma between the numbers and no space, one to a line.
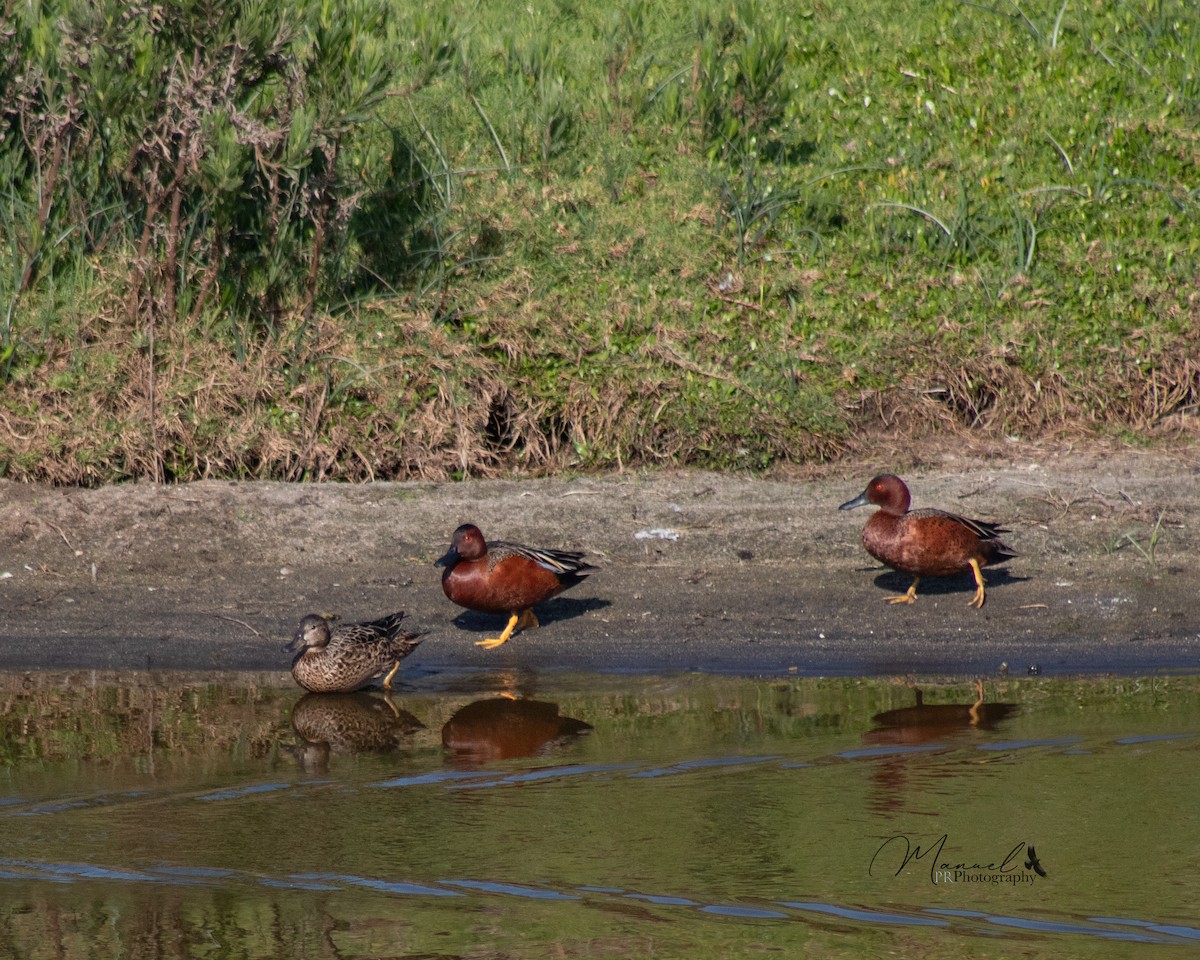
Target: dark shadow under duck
(348,657)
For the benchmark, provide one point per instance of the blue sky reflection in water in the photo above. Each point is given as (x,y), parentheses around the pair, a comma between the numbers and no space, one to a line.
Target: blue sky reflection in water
(596,816)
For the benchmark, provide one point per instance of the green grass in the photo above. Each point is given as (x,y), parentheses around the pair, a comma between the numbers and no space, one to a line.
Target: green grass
(727,234)
(1133,538)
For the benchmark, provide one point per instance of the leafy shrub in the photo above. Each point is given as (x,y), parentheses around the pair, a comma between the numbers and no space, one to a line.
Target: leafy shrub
(211,145)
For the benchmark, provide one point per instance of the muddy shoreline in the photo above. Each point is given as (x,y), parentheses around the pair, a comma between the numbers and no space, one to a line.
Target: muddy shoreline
(699,571)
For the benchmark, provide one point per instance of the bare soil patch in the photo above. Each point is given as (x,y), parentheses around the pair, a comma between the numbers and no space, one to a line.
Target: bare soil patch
(699,571)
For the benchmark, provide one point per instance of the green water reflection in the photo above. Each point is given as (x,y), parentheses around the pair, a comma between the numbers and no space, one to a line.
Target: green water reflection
(596,816)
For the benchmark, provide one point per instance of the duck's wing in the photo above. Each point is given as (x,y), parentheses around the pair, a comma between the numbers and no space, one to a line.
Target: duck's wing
(561,562)
(984,531)
(385,628)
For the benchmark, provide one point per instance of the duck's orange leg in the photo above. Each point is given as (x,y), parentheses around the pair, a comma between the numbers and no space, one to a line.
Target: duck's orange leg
(525,620)
(494,642)
(387,681)
(977,600)
(909,597)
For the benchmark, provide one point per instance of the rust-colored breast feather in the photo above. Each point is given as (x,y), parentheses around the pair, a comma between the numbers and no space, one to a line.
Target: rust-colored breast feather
(932,542)
(501,586)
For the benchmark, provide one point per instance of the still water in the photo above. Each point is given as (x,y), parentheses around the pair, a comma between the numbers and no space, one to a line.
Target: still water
(599,816)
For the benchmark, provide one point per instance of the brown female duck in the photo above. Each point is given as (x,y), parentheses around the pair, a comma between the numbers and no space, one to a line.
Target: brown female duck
(349,656)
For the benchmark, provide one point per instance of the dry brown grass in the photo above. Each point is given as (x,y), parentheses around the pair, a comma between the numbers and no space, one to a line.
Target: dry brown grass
(402,394)
(995,398)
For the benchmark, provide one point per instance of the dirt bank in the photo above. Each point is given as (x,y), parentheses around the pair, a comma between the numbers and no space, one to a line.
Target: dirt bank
(699,571)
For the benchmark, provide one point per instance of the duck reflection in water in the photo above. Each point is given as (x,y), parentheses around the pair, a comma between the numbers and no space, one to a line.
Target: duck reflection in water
(921,724)
(925,722)
(347,723)
(502,728)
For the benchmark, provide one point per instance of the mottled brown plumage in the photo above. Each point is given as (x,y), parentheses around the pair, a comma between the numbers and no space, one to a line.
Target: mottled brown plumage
(927,542)
(349,656)
(506,578)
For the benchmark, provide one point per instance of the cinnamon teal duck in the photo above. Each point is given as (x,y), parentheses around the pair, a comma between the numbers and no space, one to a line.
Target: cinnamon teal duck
(506,578)
(926,542)
(347,657)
